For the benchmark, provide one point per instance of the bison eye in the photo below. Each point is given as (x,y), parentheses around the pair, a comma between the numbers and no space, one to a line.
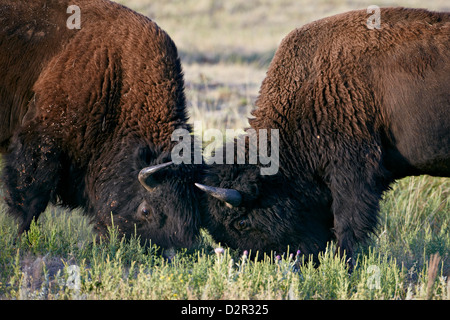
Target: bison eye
(144,211)
(241,224)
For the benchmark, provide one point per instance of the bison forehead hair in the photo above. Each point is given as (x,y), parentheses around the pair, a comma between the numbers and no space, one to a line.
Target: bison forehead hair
(356,108)
(84,111)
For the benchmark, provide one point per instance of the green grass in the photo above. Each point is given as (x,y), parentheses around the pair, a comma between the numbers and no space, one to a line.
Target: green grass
(63,259)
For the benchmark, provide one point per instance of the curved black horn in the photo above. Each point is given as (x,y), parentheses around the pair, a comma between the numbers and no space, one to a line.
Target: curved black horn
(232,197)
(147,172)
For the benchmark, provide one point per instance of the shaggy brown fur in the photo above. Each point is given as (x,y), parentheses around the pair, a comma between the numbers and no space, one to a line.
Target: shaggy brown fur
(82,111)
(356,109)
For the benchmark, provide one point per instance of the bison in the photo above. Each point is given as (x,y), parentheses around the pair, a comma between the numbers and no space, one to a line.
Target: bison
(356,109)
(87,110)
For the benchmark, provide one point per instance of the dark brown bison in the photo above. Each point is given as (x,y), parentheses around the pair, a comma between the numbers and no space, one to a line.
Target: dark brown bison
(356,108)
(84,111)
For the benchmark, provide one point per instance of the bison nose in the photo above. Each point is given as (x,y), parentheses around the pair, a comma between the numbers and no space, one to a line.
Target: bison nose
(231,197)
(146,173)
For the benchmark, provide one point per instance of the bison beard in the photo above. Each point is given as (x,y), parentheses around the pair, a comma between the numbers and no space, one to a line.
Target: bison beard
(356,109)
(85,111)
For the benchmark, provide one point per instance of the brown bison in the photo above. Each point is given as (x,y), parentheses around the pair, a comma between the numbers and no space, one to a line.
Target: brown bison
(86,107)
(356,108)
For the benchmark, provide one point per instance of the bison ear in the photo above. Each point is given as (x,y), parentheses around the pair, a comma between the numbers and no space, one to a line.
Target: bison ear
(145,175)
(231,197)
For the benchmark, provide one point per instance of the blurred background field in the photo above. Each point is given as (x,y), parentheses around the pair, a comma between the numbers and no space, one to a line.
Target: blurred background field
(226,48)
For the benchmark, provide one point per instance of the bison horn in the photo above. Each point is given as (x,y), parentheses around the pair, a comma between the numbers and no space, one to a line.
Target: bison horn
(230,196)
(147,172)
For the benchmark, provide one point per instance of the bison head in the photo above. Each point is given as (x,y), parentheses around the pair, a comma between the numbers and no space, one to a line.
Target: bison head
(148,196)
(248,211)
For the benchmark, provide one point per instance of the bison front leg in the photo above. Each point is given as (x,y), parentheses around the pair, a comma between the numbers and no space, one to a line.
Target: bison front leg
(357,182)
(30,175)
